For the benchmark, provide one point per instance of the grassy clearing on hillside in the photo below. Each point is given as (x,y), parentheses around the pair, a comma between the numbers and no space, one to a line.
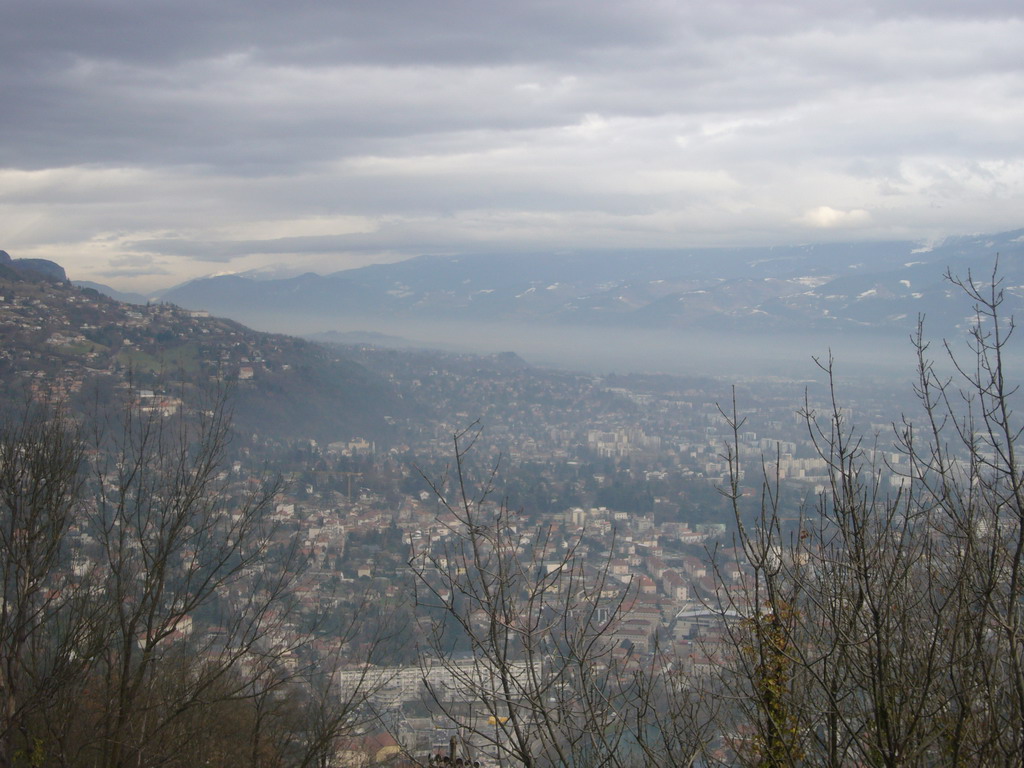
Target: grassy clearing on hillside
(182,358)
(80,349)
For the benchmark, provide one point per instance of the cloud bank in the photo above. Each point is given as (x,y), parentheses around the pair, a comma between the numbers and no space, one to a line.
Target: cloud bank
(146,143)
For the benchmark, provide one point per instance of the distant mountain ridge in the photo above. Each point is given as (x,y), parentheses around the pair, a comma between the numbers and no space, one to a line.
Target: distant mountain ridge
(846,288)
(106,290)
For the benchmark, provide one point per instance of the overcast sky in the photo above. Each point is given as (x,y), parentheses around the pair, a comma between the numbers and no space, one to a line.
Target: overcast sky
(144,142)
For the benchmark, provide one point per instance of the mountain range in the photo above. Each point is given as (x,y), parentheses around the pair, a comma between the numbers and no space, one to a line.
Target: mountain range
(829,288)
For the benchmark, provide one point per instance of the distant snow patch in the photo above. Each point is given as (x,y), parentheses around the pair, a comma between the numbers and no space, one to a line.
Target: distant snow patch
(812,281)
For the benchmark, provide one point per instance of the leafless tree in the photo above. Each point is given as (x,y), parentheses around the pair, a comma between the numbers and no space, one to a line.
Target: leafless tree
(148,613)
(46,625)
(884,626)
(176,544)
(525,629)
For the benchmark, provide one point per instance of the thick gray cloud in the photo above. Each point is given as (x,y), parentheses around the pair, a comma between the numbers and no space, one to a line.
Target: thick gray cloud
(156,141)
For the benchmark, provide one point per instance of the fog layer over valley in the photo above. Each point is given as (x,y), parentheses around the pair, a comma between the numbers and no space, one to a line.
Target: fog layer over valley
(723,354)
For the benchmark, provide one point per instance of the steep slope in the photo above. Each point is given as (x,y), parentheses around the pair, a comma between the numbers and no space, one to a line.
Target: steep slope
(60,340)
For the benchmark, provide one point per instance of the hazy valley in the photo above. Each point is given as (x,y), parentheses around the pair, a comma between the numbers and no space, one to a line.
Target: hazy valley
(394,473)
(731,312)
